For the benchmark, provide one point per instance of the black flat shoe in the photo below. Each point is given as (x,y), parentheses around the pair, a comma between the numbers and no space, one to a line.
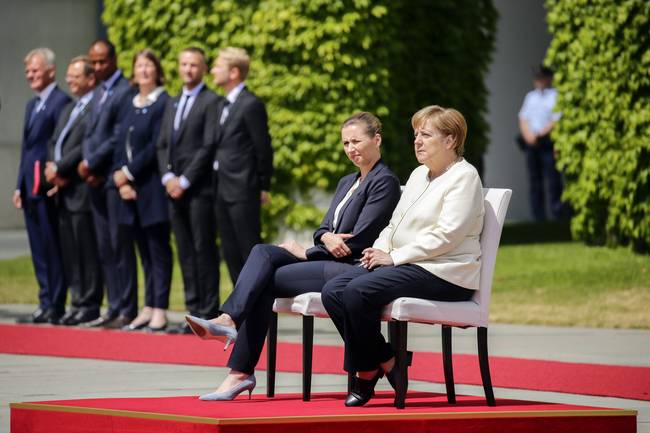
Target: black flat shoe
(362,390)
(391,375)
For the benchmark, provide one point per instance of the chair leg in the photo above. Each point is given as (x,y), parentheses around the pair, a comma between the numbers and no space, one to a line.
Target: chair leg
(307,352)
(401,363)
(271,349)
(447,364)
(484,362)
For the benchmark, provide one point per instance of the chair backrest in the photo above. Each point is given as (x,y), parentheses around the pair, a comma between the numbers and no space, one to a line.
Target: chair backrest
(496,206)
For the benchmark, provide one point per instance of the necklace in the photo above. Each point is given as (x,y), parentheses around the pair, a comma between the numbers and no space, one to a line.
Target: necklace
(446,169)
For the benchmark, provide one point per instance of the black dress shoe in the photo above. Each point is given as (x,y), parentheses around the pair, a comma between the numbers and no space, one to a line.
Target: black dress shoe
(70,318)
(392,375)
(89,319)
(96,322)
(183,328)
(117,323)
(362,390)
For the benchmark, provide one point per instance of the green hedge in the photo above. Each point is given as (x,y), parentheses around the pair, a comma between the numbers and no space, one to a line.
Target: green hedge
(315,62)
(601,55)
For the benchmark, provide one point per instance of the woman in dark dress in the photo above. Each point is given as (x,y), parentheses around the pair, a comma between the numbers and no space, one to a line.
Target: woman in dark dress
(144,205)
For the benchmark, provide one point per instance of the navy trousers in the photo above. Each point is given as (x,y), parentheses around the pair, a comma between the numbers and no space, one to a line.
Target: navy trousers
(41,223)
(270,272)
(356,299)
(541,167)
(113,242)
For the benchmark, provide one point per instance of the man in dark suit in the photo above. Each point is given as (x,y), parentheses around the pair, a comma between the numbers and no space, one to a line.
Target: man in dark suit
(243,161)
(80,261)
(120,275)
(185,155)
(41,117)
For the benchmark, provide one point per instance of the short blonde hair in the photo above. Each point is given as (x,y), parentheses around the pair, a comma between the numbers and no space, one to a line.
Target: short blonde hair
(446,120)
(46,54)
(236,58)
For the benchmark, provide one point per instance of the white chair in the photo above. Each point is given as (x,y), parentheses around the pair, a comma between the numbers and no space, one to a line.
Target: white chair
(472,313)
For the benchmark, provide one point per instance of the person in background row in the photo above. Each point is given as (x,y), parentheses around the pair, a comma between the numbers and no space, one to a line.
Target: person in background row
(41,117)
(143,207)
(536,121)
(243,160)
(95,169)
(81,260)
(185,154)
(429,250)
(360,208)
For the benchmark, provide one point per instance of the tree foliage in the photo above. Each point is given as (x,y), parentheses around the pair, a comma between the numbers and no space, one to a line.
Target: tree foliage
(601,54)
(315,62)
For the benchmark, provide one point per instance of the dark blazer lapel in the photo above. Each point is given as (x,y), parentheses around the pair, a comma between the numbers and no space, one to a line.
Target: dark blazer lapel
(342,192)
(28,113)
(197,102)
(376,169)
(234,109)
(76,121)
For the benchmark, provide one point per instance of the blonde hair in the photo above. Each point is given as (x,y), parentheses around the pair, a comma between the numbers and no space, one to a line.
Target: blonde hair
(236,58)
(46,54)
(446,120)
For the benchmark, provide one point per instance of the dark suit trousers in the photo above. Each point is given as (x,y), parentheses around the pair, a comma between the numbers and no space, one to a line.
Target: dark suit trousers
(355,301)
(240,230)
(41,223)
(270,272)
(81,260)
(113,244)
(157,263)
(195,229)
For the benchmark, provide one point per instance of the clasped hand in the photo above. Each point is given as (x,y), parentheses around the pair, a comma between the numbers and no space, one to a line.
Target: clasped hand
(335,243)
(373,257)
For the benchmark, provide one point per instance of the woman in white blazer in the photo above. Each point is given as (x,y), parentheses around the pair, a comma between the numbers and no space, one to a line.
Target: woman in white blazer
(430,249)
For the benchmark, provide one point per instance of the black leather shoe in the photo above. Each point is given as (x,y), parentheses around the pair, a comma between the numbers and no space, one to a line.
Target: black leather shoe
(362,390)
(117,323)
(89,319)
(70,318)
(392,375)
(96,322)
(183,328)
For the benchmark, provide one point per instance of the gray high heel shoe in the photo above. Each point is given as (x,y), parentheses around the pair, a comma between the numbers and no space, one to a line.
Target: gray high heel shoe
(247,384)
(211,331)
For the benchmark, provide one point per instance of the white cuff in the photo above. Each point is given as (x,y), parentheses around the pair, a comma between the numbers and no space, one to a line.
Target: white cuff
(215,165)
(127,172)
(184,182)
(167,177)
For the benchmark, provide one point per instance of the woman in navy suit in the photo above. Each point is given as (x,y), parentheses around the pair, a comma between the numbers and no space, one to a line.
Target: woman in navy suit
(361,207)
(144,205)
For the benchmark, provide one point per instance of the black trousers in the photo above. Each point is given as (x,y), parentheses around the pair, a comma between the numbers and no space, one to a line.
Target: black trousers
(239,230)
(194,226)
(113,242)
(81,260)
(270,272)
(356,299)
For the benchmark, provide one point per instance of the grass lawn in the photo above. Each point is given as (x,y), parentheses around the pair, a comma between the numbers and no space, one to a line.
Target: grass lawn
(552,282)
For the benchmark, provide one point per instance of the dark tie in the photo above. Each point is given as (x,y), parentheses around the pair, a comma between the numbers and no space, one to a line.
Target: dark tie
(32,115)
(224,112)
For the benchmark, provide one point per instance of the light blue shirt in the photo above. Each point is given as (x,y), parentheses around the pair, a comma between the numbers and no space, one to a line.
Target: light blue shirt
(537,109)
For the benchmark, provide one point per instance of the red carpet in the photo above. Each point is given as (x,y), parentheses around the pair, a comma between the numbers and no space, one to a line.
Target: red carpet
(426,412)
(538,375)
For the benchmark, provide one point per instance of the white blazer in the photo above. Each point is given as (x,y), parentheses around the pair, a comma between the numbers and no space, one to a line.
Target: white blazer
(437,224)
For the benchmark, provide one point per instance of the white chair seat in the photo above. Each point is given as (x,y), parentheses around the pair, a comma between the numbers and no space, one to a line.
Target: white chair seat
(418,310)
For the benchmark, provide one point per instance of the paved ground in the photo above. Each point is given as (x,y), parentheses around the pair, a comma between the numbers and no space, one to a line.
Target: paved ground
(32,378)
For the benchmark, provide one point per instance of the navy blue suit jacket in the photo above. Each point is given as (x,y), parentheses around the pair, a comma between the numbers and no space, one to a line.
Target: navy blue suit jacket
(138,133)
(99,141)
(36,138)
(364,215)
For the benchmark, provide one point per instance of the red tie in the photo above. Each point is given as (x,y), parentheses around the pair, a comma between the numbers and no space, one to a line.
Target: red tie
(37,177)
